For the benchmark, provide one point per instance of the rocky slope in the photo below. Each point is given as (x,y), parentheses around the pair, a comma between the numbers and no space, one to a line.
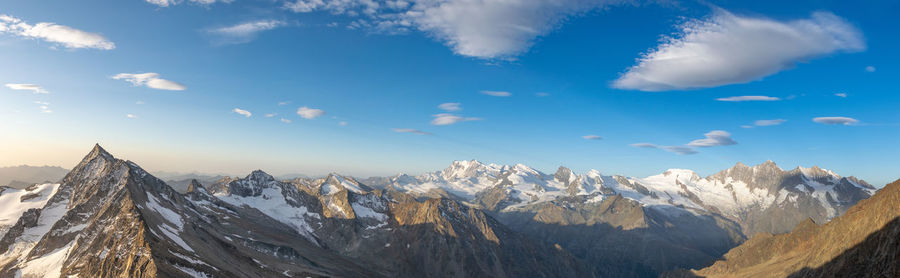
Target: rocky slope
(108,217)
(864,242)
(625,226)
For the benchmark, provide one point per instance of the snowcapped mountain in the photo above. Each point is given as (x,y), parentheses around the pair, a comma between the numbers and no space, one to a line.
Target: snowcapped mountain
(747,195)
(108,217)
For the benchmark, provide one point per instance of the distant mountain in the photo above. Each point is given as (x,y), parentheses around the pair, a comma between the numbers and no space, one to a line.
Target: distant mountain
(612,220)
(23,176)
(108,217)
(864,242)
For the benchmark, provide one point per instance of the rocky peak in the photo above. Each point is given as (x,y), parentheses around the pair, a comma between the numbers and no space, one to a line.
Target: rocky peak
(195,186)
(464,169)
(564,174)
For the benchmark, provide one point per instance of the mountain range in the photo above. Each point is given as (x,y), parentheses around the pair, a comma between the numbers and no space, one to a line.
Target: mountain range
(23,176)
(109,217)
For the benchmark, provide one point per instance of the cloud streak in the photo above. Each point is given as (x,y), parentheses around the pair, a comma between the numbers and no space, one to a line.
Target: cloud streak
(592,137)
(450,106)
(682,150)
(449,119)
(63,35)
(410,130)
(748,98)
(242,112)
(714,138)
(835,120)
(151,80)
(35,89)
(731,49)
(244,32)
(496,93)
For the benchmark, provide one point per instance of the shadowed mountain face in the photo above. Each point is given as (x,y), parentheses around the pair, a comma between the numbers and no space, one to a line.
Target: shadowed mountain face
(864,242)
(108,217)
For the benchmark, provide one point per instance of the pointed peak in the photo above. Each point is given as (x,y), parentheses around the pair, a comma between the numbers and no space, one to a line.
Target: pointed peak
(195,186)
(739,165)
(259,175)
(99,151)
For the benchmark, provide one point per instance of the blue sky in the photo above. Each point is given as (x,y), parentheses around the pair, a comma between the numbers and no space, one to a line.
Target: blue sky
(159,82)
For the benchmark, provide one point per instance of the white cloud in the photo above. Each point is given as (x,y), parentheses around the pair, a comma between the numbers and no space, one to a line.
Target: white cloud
(714,138)
(481,29)
(66,36)
(283,120)
(310,113)
(841,95)
(769,122)
(870,69)
(496,93)
(450,106)
(836,120)
(131,116)
(730,49)
(747,126)
(41,102)
(27,87)
(151,80)
(242,112)
(283,103)
(592,137)
(166,3)
(449,119)
(749,98)
(244,32)
(270,115)
(682,150)
(410,130)
(342,123)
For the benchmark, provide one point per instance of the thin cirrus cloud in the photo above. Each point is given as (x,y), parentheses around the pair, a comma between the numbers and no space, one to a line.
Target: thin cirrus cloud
(592,137)
(151,80)
(449,119)
(748,98)
(283,120)
(870,69)
(714,138)
(65,36)
(496,93)
(731,49)
(167,3)
(765,123)
(35,89)
(843,95)
(310,113)
(835,120)
(450,106)
(682,150)
(243,32)
(242,112)
(480,29)
(410,130)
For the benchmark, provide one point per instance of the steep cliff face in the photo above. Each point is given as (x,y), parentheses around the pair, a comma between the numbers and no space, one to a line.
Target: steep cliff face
(864,242)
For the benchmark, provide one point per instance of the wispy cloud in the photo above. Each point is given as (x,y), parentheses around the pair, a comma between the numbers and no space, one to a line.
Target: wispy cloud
(283,103)
(283,120)
(27,87)
(714,138)
(843,95)
(765,123)
(242,112)
(870,69)
(481,29)
(836,120)
(269,115)
(749,98)
(450,106)
(244,32)
(167,3)
(131,116)
(310,113)
(139,102)
(410,130)
(151,80)
(63,35)
(592,137)
(496,93)
(342,123)
(541,94)
(449,119)
(731,49)
(682,150)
